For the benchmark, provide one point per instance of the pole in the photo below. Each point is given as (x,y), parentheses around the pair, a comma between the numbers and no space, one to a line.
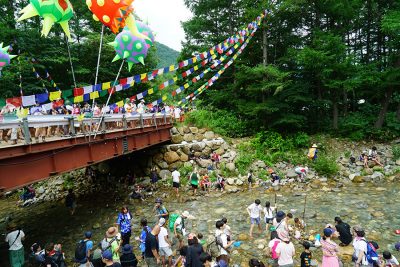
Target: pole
(108,100)
(275,205)
(70,61)
(97,75)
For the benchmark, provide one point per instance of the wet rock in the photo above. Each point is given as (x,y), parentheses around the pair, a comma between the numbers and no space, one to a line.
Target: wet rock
(377,214)
(171,157)
(358,179)
(243,237)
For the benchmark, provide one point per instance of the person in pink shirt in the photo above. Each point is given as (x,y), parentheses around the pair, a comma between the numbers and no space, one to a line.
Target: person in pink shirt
(329,250)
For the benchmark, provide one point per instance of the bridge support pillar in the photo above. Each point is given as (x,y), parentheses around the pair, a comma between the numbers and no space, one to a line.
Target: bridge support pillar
(25,130)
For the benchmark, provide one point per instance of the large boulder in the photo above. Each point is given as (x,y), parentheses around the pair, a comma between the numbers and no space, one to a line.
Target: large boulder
(171,157)
(175,165)
(186,150)
(231,166)
(230,181)
(377,176)
(198,137)
(358,179)
(184,157)
(162,164)
(174,130)
(291,174)
(209,135)
(165,174)
(186,129)
(220,151)
(398,162)
(188,137)
(198,147)
(177,138)
(194,130)
(204,163)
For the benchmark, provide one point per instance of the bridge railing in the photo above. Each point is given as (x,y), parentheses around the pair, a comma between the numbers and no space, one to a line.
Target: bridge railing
(70,126)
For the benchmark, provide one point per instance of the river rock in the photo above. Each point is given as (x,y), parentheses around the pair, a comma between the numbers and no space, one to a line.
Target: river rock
(40,190)
(171,157)
(243,237)
(175,165)
(162,164)
(188,137)
(398,162)
(291,174)
(186,129)
(220,151)
(358,179)
(164,174)
(176,138)
(230,166)
(260,164)
(359,163)
(377,214)
(209,135)
(198,147)
(230,181)
(204,163)
(377,175)
(184,157)
(239,182)
(194,130)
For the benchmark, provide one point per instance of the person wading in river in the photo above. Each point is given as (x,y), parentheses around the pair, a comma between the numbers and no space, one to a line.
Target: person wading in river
(254,211)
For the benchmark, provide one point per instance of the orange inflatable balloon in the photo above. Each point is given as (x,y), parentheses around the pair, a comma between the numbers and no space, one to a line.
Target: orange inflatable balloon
(112,13)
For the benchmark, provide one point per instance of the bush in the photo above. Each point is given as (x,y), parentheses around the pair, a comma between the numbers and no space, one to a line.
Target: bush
(396,152)
(325,166)
(220,121)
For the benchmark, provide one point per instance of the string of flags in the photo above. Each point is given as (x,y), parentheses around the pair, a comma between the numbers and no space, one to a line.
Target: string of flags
(94,91)
(90,92)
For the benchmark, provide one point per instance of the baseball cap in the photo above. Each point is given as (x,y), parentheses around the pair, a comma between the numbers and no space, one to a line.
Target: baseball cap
(107,254)
(161,222)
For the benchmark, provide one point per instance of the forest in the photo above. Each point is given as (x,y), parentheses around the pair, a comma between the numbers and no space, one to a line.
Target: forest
(313,66)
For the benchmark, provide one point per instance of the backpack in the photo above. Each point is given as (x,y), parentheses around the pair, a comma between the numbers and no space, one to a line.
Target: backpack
(106,245)
(372,255)
(172,220)
(80,251)
(274,255)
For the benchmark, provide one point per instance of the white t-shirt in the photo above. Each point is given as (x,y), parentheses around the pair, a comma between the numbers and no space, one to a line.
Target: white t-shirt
(177,113)
(12,239)
(178,223)
(286,252)
(360,245)
(255,210)
(224,241)
(175,176)
(391,262)
(268,213)
(227,230)
(161,240)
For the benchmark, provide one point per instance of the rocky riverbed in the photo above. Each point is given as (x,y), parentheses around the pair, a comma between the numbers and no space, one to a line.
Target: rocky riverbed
(373,206)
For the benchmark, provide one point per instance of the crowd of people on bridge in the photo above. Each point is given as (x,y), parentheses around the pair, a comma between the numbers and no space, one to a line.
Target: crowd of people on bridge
(79,112)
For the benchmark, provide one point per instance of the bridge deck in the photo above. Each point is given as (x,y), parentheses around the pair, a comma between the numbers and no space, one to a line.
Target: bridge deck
(22,164)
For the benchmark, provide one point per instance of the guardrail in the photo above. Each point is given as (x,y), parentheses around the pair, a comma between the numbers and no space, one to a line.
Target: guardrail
(69,123)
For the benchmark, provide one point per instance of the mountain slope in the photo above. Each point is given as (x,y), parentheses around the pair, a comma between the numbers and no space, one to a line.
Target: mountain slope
(166,55)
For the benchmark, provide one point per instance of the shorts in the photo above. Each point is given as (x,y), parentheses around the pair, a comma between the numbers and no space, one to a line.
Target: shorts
(268,220)
(167,252)
(255,220)
(175,185)
(194,186)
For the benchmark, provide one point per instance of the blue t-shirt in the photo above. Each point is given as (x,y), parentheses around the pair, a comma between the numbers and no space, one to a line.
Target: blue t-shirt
(124,221)
(89,245)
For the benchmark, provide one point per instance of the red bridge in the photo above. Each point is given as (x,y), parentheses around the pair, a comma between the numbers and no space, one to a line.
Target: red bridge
(22,164)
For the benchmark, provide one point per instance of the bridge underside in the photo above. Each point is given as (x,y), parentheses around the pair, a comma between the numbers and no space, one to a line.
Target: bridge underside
(23,165)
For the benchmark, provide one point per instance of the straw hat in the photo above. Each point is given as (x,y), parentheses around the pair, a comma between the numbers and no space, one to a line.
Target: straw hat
(111,232)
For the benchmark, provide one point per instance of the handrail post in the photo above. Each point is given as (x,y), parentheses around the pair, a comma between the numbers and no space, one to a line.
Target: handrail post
(155,120)
(103,125)
(141,120)
(165,118)
(71,124)
(124,123)
(25,130)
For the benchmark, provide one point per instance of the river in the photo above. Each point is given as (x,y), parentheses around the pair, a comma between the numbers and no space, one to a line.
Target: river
(373,206)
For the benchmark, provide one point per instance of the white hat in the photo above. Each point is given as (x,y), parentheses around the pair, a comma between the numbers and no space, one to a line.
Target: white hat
(186,214)
(314,146)
(161,222)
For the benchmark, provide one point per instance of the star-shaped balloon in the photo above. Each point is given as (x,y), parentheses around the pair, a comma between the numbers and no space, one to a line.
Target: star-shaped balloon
(5,57)
(129,47)
(52,11)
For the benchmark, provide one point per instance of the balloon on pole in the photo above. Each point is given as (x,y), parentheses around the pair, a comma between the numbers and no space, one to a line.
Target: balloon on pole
(144,29)
(129,47)
(52,11)
(5,57)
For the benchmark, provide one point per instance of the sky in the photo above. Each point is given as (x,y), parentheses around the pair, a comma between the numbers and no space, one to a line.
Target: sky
(164,18)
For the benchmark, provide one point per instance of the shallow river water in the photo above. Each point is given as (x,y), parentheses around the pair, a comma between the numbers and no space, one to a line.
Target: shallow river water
(372,206)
